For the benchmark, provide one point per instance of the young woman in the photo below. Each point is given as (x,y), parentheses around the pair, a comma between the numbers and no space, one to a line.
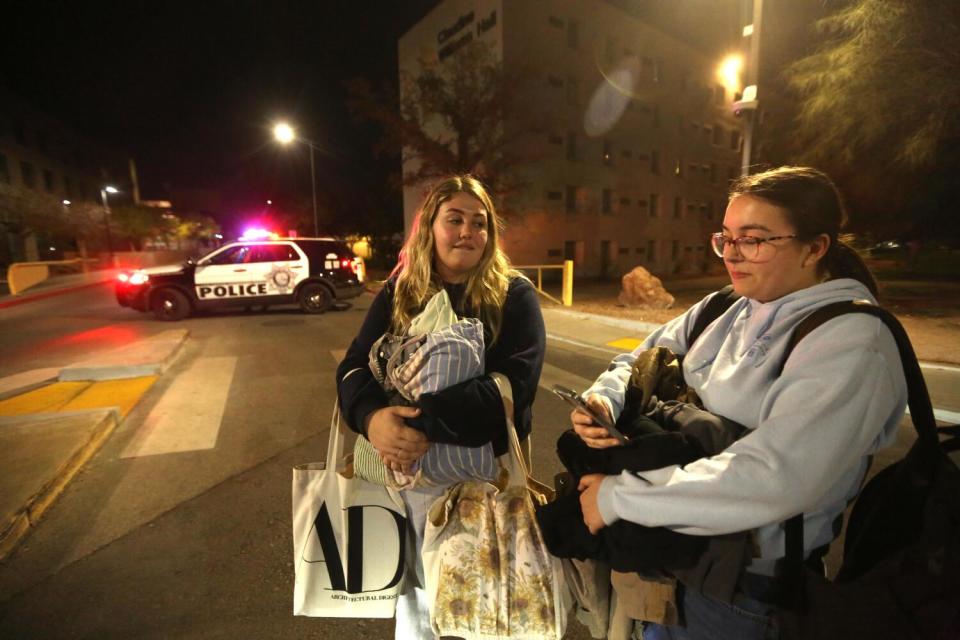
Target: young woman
(454,246)
(813,427)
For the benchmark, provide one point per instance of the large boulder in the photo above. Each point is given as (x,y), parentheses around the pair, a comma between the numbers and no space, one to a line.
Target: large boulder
(640,288)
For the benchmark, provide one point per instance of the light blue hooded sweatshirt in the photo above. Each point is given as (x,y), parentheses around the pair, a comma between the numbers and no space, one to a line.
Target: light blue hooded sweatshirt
(839,399)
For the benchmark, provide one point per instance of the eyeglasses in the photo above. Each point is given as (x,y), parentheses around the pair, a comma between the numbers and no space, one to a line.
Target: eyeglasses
(749,247)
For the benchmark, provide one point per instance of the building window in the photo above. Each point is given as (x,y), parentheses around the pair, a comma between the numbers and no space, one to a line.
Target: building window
(654,205)
(642,203)
(626,153)
(555,140)
(572,146)
(555,22)
(651,250)
(573,34)
(678,207)
(26,175)
(607,153)
(4,170)
(718,135)
(554,253)
(570,250)
(625,202)
(48,180)
(655,162)
(639,251)
(554,195)
(607,201)
(571,199)
(675,249)
(623,251)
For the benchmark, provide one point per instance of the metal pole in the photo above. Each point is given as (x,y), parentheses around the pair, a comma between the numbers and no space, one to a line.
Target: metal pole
(753,78)
(106,223)
(313,184)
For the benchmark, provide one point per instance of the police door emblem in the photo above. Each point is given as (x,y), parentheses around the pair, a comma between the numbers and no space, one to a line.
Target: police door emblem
(281,278)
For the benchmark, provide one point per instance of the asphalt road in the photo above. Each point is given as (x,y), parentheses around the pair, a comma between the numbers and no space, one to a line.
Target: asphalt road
(184,531)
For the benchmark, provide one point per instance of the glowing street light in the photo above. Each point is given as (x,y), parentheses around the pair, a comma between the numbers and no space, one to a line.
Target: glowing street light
(66,203)
(285,134)
(729,72)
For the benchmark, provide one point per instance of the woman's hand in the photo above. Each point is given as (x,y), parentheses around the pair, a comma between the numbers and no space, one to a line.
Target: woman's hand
(399,445)
(590,489)
(589,431)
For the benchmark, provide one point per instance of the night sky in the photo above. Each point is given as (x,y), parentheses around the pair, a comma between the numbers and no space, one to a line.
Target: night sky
(189,89)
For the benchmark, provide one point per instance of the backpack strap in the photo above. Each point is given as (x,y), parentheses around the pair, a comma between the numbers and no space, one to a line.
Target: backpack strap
(918,399)
(715,307)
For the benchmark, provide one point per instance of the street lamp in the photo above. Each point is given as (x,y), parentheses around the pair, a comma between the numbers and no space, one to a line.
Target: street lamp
(106,216)
(285,134)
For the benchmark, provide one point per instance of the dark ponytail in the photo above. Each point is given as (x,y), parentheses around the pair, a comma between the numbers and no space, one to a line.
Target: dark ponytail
(842,261)
(813,206)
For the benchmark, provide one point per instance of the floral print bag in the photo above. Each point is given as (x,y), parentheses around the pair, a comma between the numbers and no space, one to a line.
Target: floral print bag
(487,570)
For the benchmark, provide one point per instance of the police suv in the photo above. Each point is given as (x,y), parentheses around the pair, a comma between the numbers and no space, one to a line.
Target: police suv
(311,272)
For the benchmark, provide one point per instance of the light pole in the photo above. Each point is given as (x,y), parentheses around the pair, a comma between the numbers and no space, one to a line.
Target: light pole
(106,216)
(748,105)
(285,134)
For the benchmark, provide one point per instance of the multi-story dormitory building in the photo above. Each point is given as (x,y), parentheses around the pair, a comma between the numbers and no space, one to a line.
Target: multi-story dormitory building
(635,144)
(39,153)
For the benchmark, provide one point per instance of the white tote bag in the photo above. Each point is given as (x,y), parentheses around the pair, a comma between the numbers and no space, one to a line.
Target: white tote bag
(348,540)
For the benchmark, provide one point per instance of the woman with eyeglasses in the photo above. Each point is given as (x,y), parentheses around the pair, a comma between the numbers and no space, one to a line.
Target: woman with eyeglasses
(812,428)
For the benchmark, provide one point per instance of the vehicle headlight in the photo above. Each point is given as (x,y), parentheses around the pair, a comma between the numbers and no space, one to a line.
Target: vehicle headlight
(138,278)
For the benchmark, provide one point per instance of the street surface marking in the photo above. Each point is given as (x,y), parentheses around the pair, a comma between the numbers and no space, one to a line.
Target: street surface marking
(583,345)
(43,400)
(123,394)
(939,367)
(188,416)
(626,344)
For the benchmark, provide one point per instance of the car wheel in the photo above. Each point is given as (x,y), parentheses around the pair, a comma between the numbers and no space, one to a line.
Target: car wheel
(169,304)
(315,298)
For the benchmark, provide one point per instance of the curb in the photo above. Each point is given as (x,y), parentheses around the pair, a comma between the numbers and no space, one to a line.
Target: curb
(115,372)
(13,302)
(29,515)
(621,323)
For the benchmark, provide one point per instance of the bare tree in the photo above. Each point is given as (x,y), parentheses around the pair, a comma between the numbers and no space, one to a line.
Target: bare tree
(459,116)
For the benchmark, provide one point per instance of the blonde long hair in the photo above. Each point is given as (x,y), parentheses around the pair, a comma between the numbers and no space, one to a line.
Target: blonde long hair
(417,281)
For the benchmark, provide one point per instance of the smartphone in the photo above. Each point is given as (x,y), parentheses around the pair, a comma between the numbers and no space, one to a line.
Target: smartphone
(577,401)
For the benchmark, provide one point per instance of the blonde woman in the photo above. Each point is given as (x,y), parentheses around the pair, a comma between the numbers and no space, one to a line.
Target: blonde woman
(454,246)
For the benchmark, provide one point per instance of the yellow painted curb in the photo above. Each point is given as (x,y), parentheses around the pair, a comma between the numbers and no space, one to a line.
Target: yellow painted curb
(122,394)
(48,399)
(627,344)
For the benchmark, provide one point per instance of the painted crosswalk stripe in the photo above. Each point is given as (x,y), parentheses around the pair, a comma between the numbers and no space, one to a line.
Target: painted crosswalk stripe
(188,416)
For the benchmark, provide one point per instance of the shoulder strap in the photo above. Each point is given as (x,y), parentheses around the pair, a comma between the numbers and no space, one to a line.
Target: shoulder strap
(918,399)
(714,308)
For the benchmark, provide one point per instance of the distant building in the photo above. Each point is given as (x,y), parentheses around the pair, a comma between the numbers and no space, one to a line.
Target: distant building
(639,140)
(40,153)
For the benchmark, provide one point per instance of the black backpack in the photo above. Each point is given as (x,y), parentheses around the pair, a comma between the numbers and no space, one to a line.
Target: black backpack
(900,575)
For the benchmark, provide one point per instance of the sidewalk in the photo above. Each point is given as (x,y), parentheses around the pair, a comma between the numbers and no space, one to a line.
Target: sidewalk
(56,285)
(52,421)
